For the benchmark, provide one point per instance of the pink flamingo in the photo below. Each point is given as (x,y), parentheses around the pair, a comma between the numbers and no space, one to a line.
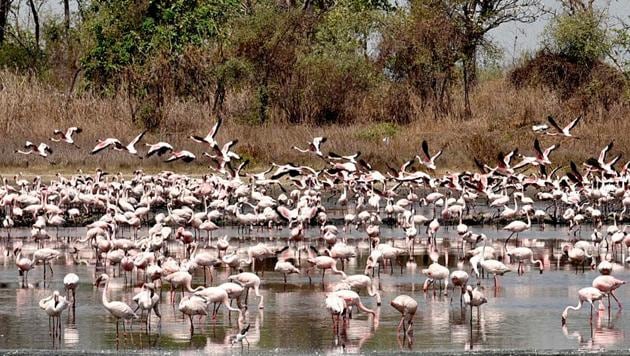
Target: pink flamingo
(588,294)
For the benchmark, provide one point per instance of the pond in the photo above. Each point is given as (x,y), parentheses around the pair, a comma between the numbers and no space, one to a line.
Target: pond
(523,313)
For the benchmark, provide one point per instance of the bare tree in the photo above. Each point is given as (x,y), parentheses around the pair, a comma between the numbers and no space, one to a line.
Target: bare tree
(35,13)
(66,15)
(5,5)
(475,19)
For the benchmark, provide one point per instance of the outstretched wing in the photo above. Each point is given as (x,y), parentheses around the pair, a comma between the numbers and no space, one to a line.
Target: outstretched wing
(553,123)
(425,149)
(138,138)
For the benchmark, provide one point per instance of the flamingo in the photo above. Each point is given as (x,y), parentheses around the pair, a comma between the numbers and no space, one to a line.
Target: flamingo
(562,131)
(428,160)
(407,306)
(497,268)
(474,298)
(183,155)
(54,305)
(588,294)
(108,142)
(216,295)
(209,138)
(516,227)
(23,264)
(70,283)
(352,299)
(191,306)
(42,149)
(524,254)
(323,263)
(435,272)
(67,135)
(45,255)
(249,280)
(360,281)
(148,300)
(336,305)
(160,148)
(313,146)
(608,284)
(131,147)
(117,309)
(285,267)
(459,278)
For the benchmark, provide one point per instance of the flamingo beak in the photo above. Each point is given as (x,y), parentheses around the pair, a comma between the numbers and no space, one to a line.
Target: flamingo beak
(564,321)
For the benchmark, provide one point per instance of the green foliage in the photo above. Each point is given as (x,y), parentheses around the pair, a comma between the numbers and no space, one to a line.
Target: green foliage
(580,36)
(377,131)
(121,33)
(16,57)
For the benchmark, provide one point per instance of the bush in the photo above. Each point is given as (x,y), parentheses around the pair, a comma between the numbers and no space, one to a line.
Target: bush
(582,85)
(580,37)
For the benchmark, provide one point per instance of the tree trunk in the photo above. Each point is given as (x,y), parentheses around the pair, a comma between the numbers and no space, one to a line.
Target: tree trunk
(80,8)
(31,3)
(66,15)
(263,101)
(219,98)
(4,13)
(470,76)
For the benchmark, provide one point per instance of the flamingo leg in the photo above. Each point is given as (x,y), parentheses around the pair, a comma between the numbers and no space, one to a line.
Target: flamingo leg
(617,300)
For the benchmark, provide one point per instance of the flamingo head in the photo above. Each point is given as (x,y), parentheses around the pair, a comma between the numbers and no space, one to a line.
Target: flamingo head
(428,282)
(103,278)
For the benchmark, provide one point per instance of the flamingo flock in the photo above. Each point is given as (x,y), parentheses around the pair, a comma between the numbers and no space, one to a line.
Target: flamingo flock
(132,221)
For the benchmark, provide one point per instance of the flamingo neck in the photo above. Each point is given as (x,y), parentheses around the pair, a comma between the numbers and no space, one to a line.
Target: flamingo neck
(104,297)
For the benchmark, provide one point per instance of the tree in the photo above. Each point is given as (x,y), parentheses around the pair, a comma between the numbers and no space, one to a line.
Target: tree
(5,5)
(475,19)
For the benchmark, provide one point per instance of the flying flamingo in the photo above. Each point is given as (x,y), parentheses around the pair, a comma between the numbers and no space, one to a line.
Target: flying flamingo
(588,294)
(43,149)
(159,148)
(428,160)
(184,155)
(313,146)
(210,137)
(407,306)
(108,142)
(131,147)
(67,135)
(562,131)
(117,309)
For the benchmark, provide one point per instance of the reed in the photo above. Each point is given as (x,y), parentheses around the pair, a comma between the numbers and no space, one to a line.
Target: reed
(501,121)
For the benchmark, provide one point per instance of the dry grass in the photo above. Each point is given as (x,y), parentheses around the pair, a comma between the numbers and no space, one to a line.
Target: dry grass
(502,119)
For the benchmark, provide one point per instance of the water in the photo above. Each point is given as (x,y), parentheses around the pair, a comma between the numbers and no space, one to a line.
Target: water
(522,314)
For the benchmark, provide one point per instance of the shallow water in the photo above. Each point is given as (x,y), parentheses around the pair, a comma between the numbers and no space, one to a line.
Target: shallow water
(522,314)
